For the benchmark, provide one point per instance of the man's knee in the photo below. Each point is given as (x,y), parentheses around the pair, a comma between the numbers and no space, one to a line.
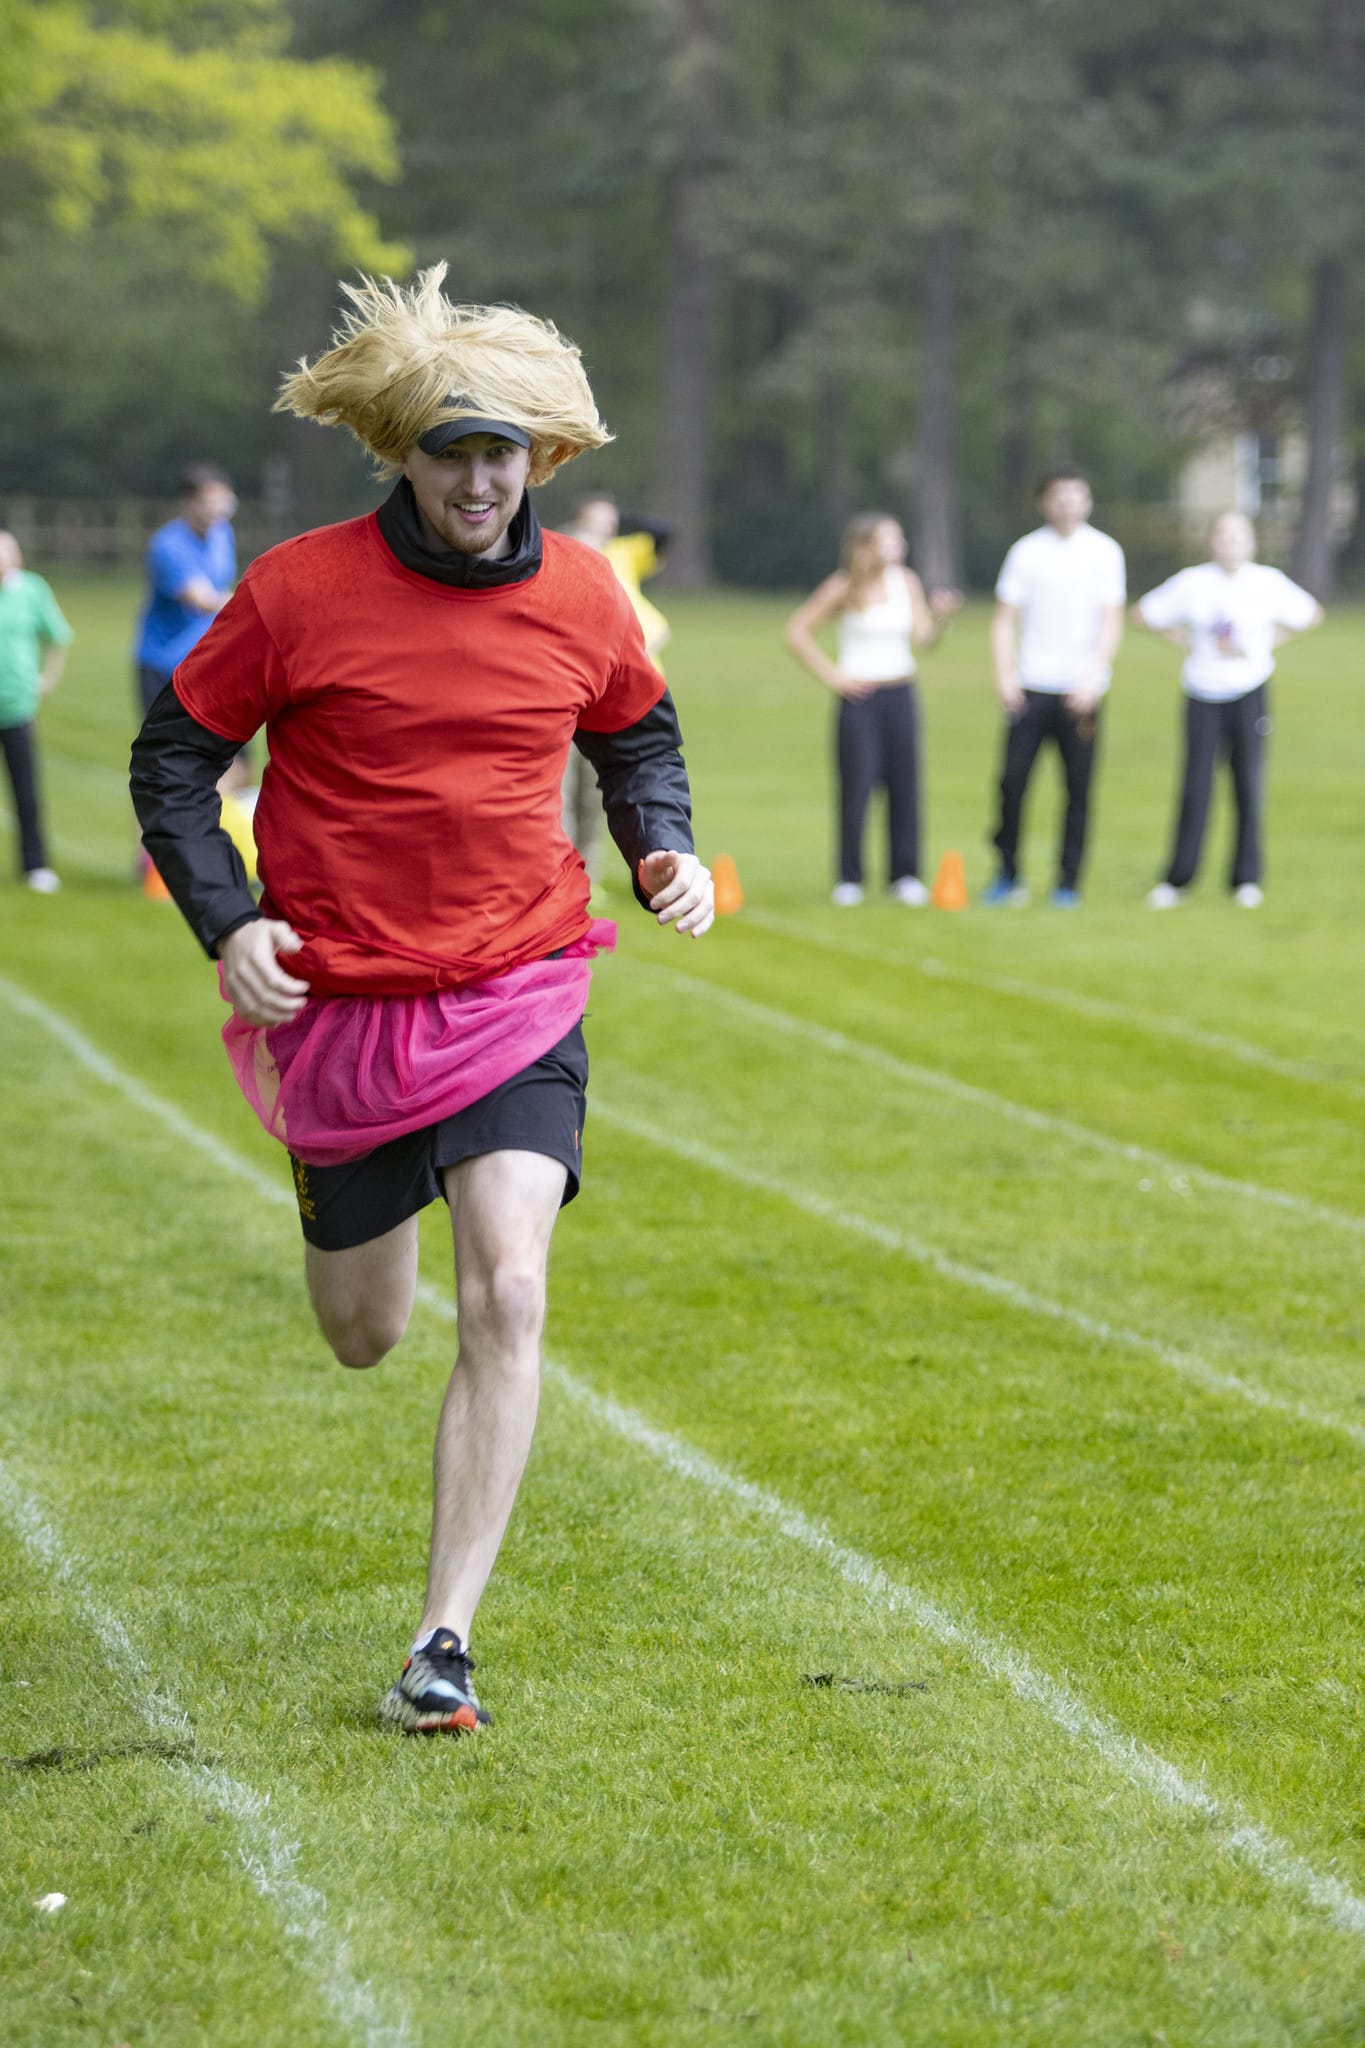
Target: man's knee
(505,1302)
(363,1297)
(361,1337)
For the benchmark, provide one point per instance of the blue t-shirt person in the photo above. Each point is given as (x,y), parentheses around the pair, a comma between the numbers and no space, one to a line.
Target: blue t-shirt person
(177,556)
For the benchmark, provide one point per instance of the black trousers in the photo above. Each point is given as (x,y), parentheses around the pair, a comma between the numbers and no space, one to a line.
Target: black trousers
(1076,735)
(1237,730)
(150,683)
(877,743)
(20,760)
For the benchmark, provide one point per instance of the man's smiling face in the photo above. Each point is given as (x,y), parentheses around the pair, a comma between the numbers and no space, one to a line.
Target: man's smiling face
(468,494)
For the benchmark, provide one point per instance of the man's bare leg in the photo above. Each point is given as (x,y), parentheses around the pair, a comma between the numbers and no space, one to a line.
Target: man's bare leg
(363,1297)
(502,1210)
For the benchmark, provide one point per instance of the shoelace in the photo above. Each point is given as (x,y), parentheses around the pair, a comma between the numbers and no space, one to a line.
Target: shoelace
(461,1659)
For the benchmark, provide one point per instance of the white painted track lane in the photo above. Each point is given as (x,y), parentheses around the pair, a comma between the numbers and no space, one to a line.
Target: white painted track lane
(1186,1363)
(267,1855)
(1238,1832)
(784,1023)
(1130,1758)
(1173,1029)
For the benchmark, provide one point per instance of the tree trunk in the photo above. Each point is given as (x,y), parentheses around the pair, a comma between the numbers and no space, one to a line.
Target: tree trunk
(1327,346)
(936,516)
(1017,461)
(690,296)
(836,472)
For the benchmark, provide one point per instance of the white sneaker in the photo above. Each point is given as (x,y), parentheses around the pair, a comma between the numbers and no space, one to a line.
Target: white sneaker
(1165,897)
(910,889)
(846,894)
(43,881)
(1250,896)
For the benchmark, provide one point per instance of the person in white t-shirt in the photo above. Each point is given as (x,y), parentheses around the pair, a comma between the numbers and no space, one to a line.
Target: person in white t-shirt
(881,614)
(1057,626)
(1228,616)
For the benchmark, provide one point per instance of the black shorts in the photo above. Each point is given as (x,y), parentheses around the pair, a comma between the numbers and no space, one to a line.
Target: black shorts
(539,1110)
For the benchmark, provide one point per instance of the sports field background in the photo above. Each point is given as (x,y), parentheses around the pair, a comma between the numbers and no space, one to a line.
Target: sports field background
(962,1311)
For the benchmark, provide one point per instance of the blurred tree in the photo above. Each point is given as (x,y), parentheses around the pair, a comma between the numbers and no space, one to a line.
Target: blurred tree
(1240,133)
(1339,133)
(818,256)
(190,118)
(693,111)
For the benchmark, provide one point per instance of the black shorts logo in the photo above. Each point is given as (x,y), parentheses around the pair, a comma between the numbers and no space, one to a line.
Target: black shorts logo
(306,1206)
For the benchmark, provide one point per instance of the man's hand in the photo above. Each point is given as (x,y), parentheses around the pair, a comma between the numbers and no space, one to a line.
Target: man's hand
(679,891)
(1012,698)
(255,984)
(943,603)
(1084,697)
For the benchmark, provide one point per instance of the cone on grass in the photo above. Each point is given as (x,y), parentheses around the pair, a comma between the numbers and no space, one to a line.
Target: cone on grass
(950,884)
(153,887)
(725,878)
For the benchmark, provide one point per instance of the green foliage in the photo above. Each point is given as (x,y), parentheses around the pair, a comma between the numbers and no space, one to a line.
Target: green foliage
(84,317)
(1130,190)
(228,148)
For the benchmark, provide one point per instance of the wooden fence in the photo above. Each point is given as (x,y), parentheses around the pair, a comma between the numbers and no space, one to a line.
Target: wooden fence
(113,533)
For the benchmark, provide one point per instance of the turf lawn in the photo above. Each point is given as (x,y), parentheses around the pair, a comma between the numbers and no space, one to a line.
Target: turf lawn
(1012,1257)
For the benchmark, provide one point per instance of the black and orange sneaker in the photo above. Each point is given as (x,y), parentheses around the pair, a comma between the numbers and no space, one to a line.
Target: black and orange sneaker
(435,1695)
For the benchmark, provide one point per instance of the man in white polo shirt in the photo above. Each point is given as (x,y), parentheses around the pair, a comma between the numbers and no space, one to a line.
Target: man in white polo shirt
(1228,615)
(1058,622)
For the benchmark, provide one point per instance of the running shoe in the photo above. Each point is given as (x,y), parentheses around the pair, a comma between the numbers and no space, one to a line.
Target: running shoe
(435,1695)
(1249,896)
(910,889)
(1066,899)
(1004,890)
(1165,896)
(847,894)
(43,881)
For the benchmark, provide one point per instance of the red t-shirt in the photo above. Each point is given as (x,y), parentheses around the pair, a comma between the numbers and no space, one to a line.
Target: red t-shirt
(409,823)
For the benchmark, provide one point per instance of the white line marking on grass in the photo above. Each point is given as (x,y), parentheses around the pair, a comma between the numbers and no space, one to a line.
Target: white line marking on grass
(218,1154)
(933,1082)
(95,1062)
(268,1857)
(1063,999)
(1244,1837)
(1186,1363)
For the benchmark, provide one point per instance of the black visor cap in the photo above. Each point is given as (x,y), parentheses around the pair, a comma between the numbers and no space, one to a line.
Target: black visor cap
(438,437)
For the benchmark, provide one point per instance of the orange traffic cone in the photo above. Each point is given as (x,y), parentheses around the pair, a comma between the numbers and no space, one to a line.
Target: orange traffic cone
(950,884)
(729,895)
(153,887)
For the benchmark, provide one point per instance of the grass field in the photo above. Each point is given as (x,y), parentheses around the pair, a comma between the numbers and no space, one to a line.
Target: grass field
(962,1311)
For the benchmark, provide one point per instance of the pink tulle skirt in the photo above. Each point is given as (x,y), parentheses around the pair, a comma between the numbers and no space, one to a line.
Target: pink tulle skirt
(351,1072)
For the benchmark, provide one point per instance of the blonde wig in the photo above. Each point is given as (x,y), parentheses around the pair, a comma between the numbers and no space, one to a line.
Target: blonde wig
(404,360)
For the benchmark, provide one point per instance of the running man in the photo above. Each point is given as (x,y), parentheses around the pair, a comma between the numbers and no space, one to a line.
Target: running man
(1057,626)
(407,998)
(1228,616)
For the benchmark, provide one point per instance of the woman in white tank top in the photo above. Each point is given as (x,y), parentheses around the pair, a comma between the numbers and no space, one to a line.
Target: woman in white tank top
(881,612)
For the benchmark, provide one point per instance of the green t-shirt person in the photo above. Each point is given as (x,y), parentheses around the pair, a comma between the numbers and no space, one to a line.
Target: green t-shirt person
(31,624)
